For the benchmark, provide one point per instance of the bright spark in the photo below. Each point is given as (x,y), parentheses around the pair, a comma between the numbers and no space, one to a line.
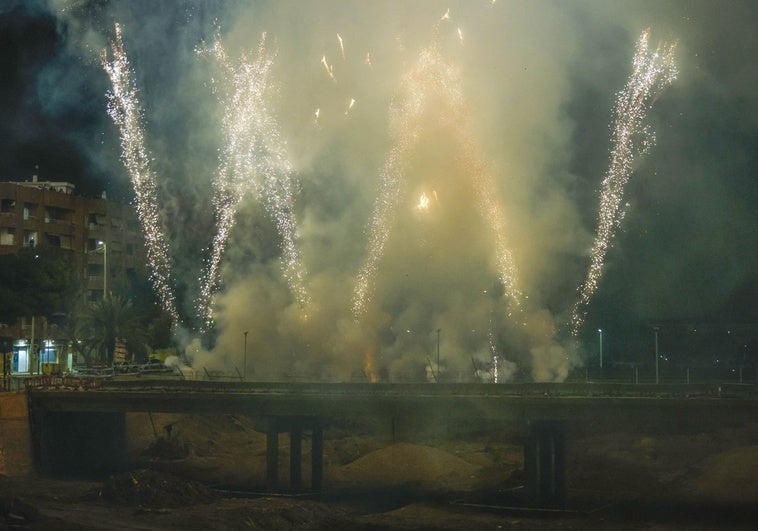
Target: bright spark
(342,46)
(446,16)
(368,58)
(329,68)
(350,106)
(652,72)
(423,202)
(125,111)
(460,35)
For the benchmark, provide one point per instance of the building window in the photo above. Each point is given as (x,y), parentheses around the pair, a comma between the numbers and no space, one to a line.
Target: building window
(8,205)
(94,270)
(53,240)
(130,249)
(29,210)
(56,214)
(7,236)
(49,353)
(30,238)
(95,221)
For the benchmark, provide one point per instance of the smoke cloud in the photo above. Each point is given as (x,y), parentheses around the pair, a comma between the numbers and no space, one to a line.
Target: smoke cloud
(537,79)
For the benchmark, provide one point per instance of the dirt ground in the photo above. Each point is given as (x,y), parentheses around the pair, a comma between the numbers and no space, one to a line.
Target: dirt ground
(196,472)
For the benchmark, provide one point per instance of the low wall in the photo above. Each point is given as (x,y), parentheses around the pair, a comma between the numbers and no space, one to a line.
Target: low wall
(15,447)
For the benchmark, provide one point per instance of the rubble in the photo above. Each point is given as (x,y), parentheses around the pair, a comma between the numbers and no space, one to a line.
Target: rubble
(154,490)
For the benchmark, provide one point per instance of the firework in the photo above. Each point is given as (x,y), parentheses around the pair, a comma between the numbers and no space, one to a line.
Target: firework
(350,106)
(432,75)
(253,159)
(125,110)
(342,46)
(329,68)
(652,72)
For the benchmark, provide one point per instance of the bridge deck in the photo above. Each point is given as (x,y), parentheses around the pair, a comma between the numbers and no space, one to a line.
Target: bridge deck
(507,402)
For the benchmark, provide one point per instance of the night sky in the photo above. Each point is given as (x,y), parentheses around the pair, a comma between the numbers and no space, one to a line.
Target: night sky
(540,79)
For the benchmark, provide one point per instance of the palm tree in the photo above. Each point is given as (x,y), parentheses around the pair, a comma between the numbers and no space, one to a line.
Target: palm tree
(111,319)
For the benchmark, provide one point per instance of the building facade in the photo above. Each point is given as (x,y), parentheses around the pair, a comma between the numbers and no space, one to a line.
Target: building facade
(103,238)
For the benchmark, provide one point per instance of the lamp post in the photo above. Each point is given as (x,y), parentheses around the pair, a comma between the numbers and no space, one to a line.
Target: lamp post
(655,330)
(600,331)
(244,367)
(104,247)
(438,353)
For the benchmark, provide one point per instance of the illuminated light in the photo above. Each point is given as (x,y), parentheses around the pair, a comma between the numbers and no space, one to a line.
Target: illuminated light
(125,111)
(423,202)
(652,72)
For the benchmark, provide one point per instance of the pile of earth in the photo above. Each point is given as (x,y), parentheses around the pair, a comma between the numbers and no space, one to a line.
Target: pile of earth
(154,489)
(410,465)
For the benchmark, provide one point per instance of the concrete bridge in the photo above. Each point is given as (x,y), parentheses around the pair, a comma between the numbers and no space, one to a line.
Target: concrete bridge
(78,425)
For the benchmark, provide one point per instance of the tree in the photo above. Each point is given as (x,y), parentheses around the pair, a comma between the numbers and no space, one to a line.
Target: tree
(37,281)
(113,318)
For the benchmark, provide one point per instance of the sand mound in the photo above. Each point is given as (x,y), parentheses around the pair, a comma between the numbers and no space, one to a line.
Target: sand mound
(410,465)
(730,476)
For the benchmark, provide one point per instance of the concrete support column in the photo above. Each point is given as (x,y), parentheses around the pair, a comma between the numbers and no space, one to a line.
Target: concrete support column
(317,457)
(545,464)
(295,426)
(296,456)
(272,458)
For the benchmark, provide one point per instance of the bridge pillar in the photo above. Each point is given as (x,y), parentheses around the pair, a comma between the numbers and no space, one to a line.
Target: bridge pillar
(545,464)
(295,426)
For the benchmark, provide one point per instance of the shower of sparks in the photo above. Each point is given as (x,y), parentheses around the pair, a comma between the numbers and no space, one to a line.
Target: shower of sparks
(342,46)
(432,75)
(253,158)
(652,72)
(124,109)
(350,106)
(329,68)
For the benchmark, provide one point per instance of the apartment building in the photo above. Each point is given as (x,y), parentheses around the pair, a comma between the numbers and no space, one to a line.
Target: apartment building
(103,237)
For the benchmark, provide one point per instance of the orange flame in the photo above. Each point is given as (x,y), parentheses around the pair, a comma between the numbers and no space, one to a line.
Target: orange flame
(368,365)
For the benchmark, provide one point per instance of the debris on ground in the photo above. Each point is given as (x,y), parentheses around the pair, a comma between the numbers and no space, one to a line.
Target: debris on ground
(154,489)
(167,448)
(15,512)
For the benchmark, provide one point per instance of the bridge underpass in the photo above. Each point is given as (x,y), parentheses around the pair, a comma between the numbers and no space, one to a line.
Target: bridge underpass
(78,424)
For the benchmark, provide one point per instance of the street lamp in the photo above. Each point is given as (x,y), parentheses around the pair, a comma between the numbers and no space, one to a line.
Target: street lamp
(600,331)
(104,246)
(655,329)
(244,367)
(438,353)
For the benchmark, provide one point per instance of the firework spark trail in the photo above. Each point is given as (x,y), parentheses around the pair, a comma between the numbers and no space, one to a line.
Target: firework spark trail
(124,109)
(253,157)
(652,72)
(432,75)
